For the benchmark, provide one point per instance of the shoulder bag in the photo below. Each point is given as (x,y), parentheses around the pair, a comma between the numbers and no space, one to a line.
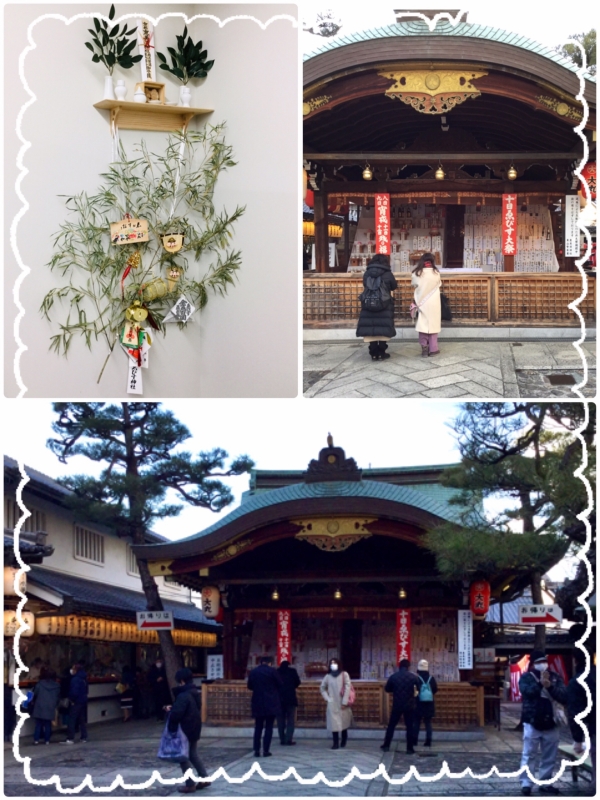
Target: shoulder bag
(352,694)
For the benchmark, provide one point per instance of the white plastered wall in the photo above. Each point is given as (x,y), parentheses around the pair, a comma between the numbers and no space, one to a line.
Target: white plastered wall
(242,345)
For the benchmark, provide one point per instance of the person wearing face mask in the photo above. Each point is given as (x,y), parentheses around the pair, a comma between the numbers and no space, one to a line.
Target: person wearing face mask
(335,689)
(157,678)
(539,687)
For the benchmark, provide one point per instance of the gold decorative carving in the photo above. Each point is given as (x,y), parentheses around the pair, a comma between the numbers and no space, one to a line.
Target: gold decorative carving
(231,550)
(420,81)
(560,107)
(333,534)
(440,104)
(315,102)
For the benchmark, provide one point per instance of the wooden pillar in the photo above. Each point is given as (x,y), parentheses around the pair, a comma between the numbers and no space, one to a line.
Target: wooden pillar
(321,232)
(228,643)
(346,240)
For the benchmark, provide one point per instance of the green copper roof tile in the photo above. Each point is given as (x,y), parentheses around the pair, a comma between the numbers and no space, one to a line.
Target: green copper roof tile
(445,28)
(304,491)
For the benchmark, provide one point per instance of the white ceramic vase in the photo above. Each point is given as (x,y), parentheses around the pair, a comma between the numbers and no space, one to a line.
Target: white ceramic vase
(185,96)
(109,89)
(139,96)
(121,90)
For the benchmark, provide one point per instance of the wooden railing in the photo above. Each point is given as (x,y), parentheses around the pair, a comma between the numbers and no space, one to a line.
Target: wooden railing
(457,705)
(475,299)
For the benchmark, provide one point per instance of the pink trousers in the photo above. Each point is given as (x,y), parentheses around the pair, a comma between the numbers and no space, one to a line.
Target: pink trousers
(429,340)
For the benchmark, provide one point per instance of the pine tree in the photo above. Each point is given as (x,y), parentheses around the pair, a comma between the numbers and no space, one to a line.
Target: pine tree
(138,443)
(524,454)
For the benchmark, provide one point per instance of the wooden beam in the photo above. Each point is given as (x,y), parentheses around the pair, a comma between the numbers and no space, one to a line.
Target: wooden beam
(281,579)
(404,157)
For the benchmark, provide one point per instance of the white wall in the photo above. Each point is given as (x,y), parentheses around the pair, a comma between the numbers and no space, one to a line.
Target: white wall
(243,345)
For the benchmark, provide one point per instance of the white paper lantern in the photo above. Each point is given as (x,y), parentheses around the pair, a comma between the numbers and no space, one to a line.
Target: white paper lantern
(11,623)
(211,601)
(9,581)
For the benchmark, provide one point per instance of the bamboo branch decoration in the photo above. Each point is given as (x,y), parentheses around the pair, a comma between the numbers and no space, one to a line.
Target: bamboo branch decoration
(172,191)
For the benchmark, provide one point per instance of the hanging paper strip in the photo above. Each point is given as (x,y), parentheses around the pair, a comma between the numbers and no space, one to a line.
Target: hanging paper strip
(145,33)
(402,635)
(572,234)
(509,224)
(382,224)
(284,636)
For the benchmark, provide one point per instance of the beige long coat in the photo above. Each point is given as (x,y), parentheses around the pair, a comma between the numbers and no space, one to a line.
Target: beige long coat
(338,718)
(430,313)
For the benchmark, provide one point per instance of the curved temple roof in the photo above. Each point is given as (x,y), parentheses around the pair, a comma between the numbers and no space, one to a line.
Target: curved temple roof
(367,490)
(413,27)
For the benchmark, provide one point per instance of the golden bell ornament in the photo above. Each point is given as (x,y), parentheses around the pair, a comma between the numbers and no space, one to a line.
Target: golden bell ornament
(440,174)
(135,312)
(512,173)
(134,260)
(367,173)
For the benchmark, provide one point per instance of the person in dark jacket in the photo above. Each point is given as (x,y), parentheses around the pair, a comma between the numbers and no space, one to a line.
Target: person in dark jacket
(45,702)
(539,687)
(425,709)
(577,703)
(286,719)
(265,684)
(185,711)
(376,327)
(78,698)
(157,678)
(404,686)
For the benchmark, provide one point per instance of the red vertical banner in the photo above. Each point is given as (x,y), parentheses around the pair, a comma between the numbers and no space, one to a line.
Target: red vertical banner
(509,224)
(284,636)
(382,224)
(402,634)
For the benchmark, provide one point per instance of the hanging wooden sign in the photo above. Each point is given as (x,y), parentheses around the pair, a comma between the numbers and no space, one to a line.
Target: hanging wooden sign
(572,233)
(402,634)
(284,636)
(172,242)
(509,224)
(129,231)
(382,224)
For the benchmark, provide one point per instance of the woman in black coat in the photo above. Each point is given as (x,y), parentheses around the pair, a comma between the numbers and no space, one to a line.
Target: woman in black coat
(185,711)
(376,326)
(425,709)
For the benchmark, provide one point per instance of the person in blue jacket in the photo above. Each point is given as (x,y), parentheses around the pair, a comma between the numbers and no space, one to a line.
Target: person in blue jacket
(539,687)
(78,698)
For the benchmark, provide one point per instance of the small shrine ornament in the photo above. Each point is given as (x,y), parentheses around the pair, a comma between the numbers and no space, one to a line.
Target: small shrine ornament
(172,242)
(129,230)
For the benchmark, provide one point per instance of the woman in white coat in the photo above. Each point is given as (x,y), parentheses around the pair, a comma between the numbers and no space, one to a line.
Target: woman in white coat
(427,282)
(335,688)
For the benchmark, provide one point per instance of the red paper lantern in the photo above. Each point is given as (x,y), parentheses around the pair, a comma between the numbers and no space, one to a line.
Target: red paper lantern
(480,599)
(589,173)
(310,198)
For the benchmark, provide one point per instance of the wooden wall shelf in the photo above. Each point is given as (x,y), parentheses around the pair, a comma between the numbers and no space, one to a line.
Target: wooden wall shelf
(149,116)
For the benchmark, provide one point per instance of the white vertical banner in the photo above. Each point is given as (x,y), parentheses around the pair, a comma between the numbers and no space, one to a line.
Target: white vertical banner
(465,639)
(572,249)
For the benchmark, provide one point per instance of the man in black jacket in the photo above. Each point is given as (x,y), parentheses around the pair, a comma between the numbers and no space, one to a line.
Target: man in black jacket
(404,686)
(185,711)
(286,720)
(539,687)
(264,683)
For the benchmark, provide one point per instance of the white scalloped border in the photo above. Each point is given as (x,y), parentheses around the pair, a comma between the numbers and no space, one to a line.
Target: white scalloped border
(256,769)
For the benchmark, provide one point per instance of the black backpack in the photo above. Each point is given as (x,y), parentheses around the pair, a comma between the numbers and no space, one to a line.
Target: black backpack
(375,297)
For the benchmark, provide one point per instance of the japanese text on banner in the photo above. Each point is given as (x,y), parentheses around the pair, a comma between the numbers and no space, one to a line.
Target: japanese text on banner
(509,224)
(402,635)
(382,224)
(284,636)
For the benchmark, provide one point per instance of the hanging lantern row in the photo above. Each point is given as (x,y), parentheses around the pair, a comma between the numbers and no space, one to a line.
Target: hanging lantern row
(480,599)
(9,582)
(107,630)
(11,623)
(333,231)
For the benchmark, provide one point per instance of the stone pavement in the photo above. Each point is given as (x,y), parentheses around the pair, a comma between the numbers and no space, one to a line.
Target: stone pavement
(478,369)
(131,751)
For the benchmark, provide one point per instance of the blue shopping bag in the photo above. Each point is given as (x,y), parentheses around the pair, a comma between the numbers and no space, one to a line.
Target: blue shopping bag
(173,746)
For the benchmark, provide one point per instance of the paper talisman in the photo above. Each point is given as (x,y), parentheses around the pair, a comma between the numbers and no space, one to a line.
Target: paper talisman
(145,34)
(181,312)
(172,242)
